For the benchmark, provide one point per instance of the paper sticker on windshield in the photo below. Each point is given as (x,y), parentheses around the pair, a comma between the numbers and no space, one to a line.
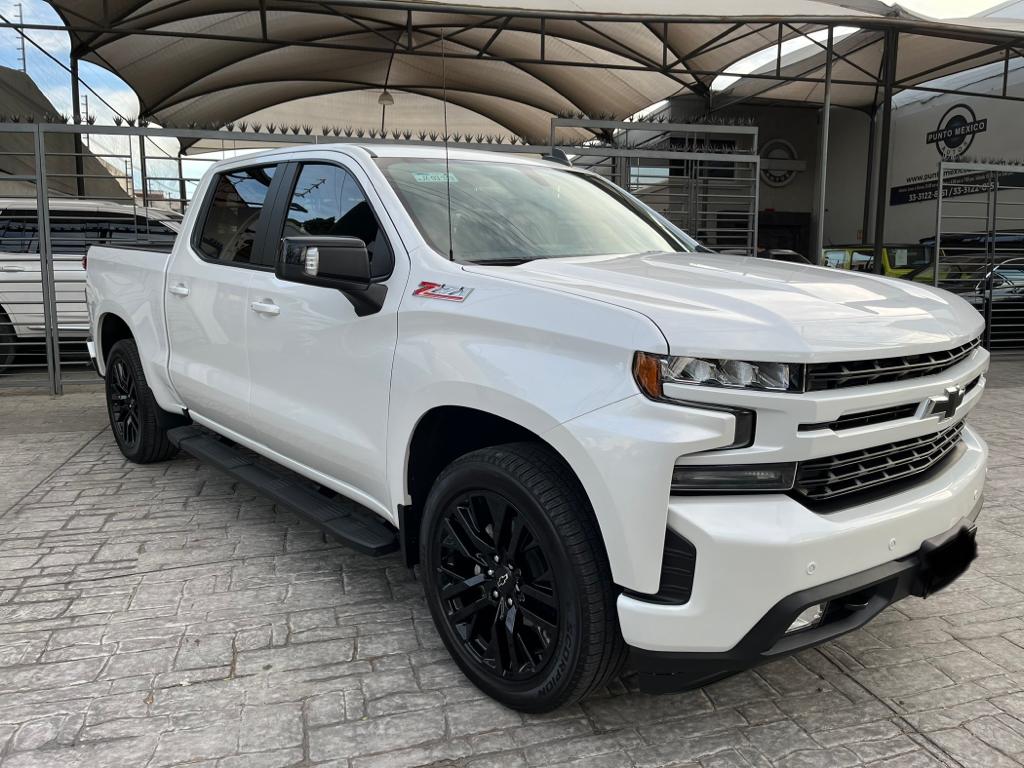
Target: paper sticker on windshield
(435,178)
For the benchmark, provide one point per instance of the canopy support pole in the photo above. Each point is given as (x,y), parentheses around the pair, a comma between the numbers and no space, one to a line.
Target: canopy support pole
(892,39)
(143,179)
(818,241)
(76,111)
(182,190)
(869,177)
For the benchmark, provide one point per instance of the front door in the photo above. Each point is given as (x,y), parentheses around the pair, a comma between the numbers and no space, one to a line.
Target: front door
(207,288)
(321,373)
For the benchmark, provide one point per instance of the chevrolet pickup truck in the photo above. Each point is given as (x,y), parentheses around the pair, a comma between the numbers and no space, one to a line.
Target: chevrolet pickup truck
(596,443)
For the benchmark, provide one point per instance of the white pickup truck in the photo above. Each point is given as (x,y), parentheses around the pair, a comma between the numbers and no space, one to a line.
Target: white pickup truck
(593,440)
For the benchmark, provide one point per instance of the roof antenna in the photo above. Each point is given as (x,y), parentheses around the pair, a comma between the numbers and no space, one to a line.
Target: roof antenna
(447,172)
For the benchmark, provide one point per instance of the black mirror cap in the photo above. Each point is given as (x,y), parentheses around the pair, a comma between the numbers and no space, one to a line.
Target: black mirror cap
(341,262)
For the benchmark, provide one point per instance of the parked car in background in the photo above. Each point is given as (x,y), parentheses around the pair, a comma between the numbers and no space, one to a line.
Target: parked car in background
(997,293)
(782,254)
(593,440)
(74,226)
(898,260)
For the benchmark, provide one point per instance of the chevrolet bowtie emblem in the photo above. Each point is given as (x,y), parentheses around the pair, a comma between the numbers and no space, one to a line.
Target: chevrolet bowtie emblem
(946,404)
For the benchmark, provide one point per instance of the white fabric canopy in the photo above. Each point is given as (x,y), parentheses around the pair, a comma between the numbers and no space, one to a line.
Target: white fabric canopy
(210,62)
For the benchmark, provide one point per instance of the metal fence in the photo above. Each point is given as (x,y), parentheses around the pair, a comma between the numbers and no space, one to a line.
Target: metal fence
(66,187)
(980,245)
(702,178)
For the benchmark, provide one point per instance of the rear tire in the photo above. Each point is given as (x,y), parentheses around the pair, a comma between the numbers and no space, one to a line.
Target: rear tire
(517,579)
(8,342)
(134,415)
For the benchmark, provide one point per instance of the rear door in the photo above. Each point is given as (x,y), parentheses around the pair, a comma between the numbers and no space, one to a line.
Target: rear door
(206,295)
(321,370)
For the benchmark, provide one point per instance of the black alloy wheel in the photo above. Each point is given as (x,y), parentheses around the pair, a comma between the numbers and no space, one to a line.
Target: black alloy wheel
(139,425)
(124,404)
(496,585)
(517,579)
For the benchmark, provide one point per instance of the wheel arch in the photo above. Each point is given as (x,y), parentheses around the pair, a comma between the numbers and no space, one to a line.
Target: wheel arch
(441,435)
(112,328)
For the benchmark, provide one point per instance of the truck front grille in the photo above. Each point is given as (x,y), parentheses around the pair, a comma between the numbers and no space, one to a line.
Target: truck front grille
(837,477)
(821,376)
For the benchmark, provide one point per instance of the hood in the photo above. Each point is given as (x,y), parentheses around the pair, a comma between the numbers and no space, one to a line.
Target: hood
(754,309)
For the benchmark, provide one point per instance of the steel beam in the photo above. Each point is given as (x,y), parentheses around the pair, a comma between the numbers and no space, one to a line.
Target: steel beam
(892,41)
(818,241)
(76,111)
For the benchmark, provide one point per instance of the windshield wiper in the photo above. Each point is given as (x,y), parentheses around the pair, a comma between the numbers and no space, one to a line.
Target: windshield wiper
(510,262)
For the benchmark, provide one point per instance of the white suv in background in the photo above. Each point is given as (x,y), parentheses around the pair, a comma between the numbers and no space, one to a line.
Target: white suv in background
(74,226)
(592,439)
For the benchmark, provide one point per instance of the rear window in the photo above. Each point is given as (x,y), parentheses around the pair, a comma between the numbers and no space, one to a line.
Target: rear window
(74,233)
(18,232)
(233,213)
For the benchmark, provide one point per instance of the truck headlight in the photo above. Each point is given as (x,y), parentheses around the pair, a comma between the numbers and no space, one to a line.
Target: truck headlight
(653,371)
(735,478)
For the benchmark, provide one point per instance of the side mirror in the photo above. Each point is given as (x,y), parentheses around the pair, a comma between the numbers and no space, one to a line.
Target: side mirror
(331,262)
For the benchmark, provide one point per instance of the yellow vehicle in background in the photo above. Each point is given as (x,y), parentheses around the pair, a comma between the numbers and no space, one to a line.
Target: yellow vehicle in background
(897,260)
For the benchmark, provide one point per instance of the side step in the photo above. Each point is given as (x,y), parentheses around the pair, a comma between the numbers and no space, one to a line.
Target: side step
(339,517)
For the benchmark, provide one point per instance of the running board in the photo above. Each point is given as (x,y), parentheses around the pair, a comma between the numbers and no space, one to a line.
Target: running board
(339,517)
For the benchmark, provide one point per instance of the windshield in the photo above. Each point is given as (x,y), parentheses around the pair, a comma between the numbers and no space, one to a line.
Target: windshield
(908,258)
(508,212)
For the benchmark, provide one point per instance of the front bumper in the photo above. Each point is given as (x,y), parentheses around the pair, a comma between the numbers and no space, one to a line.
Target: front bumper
(753,551)
(852,602)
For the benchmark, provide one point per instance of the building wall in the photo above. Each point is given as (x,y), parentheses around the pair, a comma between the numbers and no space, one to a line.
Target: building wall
(915,154)
(794,133)
(20,97)
(846,177)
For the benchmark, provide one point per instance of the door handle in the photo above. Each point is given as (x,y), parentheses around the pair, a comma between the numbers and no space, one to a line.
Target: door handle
(180,289)
(265,307)
(13,268)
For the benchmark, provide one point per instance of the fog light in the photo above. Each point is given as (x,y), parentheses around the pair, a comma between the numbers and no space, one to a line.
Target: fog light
(809,617)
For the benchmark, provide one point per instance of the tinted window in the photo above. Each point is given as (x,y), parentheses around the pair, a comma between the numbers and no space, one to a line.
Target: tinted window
(229,232)
(908,258)
(835,259)
(328,202)
(18,233)
(74,234)
(863,261)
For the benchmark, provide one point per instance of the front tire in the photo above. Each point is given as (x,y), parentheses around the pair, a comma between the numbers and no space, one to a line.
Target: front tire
(517,579)
(134,414)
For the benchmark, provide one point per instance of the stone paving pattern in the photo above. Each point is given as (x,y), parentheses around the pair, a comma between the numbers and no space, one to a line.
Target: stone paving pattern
(163,615)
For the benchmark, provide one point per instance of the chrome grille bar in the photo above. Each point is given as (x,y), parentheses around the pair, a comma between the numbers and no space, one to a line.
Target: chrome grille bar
(821,376)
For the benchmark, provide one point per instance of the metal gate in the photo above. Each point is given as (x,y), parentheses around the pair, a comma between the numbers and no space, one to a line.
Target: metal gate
(979,239)
(702,178)
(62,189)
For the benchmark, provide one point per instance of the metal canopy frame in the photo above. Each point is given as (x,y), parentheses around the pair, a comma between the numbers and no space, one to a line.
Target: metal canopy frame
(413,35)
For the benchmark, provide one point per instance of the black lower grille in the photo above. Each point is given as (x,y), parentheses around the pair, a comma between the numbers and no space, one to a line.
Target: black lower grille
(836,477)
(677,566)
(821,376)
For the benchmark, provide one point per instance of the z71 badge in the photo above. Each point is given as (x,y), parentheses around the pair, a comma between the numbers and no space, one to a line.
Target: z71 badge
(442,291)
